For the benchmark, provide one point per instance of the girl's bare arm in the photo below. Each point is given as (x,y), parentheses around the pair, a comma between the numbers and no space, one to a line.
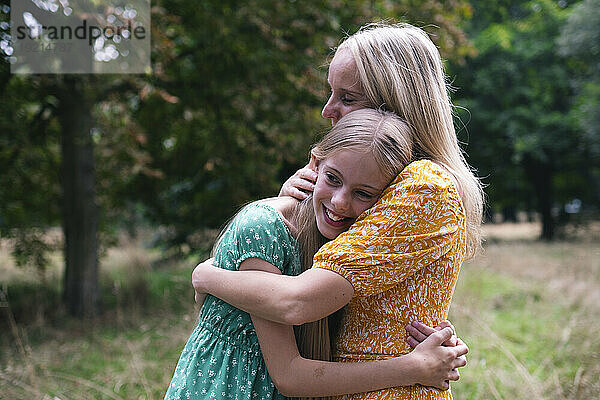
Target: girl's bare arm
(430,364)
(289,300)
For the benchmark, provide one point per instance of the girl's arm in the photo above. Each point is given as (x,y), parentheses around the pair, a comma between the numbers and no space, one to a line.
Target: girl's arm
(289,300)
(430,364)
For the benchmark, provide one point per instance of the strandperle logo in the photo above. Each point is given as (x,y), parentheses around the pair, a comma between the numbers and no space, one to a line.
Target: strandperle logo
(79,36)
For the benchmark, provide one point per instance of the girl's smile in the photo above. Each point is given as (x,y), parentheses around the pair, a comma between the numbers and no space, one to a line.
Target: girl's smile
(348,183)
(336,220)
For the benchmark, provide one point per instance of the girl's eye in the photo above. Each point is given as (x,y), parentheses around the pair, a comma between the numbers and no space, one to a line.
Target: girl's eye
(331,178)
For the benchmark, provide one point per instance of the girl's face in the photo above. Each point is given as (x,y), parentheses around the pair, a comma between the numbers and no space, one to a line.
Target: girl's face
(348,183)
(346,91)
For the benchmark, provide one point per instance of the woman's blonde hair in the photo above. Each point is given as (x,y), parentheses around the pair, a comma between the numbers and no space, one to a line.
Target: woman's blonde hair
(388,138)
(400,70)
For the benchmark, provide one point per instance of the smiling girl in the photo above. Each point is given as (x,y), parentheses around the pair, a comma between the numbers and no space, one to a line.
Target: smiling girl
(229,352)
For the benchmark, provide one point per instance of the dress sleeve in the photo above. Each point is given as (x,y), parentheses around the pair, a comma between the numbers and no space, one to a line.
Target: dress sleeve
(261,233)
(415,223)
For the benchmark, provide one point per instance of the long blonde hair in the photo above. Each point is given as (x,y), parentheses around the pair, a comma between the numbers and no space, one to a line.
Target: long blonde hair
(400,70)
(379,133)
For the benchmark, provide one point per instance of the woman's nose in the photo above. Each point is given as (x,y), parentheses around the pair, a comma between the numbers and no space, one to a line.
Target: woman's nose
(329,109)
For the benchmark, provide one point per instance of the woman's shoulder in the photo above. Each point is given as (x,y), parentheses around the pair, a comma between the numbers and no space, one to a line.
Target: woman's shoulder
(425,172)
(424,181)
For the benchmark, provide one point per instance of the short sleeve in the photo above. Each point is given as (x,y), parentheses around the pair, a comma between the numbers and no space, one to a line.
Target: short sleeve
(415,223)
(258,231)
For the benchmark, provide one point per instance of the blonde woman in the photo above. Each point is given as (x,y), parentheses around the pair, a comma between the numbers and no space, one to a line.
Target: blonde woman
(223,359)
(399,261)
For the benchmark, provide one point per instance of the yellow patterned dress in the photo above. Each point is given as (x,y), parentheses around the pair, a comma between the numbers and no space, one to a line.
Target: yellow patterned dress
(402,256)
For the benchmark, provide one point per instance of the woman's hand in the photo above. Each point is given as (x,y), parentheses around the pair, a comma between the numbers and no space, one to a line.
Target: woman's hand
(436,363)
(301,184)
(418,332)
(198,280)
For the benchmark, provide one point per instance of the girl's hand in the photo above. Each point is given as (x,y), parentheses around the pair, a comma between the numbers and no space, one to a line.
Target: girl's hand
(198,279)
(301,184)
(418,332)
(437,364)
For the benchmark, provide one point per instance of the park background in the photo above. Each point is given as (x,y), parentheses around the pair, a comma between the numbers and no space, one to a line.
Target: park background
(143,170)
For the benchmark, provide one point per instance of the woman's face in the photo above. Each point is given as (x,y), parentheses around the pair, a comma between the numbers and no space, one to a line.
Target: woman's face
(348,183)
(346,91)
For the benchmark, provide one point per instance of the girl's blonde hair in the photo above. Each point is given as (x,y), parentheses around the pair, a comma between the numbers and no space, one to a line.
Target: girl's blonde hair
(387,138)
(400,70)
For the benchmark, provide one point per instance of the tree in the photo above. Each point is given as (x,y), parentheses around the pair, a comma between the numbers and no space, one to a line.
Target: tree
(520,93)
(230,110)
(55,117)
(579,39)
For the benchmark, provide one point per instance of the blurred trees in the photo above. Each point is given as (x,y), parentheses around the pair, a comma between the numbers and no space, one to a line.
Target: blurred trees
(230,110)
(51,127)
(233,104)
(580,40)
(520,92)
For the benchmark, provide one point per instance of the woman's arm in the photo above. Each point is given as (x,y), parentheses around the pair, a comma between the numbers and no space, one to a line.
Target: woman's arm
(418,332)
(290,300)
(430,364)
(301,183)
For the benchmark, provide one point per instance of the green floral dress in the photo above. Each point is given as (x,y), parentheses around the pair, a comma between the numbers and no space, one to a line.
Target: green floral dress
(222,358)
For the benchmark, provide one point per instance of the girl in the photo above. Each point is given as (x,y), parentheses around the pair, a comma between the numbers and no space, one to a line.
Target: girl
(222,358)
(399,262)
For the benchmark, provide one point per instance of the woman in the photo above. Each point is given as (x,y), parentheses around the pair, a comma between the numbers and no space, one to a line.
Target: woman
(222,357)
(400,260)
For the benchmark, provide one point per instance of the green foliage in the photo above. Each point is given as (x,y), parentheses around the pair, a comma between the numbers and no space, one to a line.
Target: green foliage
(29,158)
(520,93)
(580,39)
(229,112)
(581,35)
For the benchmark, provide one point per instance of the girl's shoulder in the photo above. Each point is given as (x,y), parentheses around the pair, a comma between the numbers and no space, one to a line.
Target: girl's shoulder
(285,206)
(273,212)
(258,231)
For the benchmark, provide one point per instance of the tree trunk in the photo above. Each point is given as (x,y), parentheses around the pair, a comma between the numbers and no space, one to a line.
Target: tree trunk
(540,174)
(81,292)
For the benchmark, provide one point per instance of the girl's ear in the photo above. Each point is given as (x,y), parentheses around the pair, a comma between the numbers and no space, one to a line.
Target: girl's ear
(314,162)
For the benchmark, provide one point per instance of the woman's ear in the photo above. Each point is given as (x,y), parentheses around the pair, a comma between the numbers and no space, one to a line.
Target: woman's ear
(314,162)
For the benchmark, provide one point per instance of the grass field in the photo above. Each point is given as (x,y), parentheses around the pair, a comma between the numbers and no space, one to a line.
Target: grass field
(528,310)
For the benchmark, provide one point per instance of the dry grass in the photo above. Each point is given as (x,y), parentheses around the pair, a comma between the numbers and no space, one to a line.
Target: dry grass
(127,353)
(528,310)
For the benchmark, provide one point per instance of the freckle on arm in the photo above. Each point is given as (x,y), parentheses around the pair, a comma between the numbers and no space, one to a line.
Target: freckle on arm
(319,371)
